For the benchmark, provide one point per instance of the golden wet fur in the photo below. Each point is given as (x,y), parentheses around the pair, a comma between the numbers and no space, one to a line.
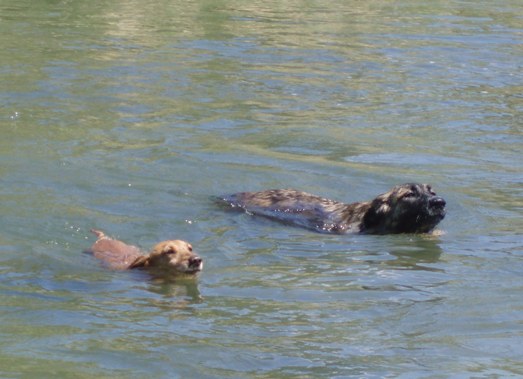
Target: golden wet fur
(175,256)
(406,208)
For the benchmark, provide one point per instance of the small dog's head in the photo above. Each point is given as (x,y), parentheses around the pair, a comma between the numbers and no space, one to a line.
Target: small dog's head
(407,208)
(174,256)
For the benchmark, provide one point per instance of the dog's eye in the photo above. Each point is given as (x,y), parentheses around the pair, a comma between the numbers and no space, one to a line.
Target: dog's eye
(171,251)
(189,247)
(429,189)
(409,194)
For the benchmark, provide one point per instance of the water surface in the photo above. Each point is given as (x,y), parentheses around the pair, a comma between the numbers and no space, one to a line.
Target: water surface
(129,116)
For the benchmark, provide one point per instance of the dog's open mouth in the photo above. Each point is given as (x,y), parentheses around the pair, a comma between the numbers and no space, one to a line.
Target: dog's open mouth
(193,270)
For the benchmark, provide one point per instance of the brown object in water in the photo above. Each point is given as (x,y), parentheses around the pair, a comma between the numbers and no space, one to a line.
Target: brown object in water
(175,256)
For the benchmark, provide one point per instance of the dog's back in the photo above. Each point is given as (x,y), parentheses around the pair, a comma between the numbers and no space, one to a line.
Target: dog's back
(292,207)
(114,253)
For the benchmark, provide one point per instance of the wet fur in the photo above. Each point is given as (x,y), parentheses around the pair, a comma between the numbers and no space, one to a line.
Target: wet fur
(406,208)
(173,256)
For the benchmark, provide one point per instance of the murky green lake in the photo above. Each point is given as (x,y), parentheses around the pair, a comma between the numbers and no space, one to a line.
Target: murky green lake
(128,116)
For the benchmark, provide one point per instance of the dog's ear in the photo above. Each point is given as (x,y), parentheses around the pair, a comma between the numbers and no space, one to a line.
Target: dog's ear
(376,213)
(142,261)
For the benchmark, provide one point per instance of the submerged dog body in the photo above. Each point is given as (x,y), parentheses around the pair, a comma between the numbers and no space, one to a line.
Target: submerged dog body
(406,208)
(173,256)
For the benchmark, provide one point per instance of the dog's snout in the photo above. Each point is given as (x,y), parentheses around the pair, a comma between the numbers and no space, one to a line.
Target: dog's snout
(437,202)
(195,261)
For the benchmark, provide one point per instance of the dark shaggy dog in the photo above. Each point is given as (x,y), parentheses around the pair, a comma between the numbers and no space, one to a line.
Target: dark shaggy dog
(175,257)
(406,208)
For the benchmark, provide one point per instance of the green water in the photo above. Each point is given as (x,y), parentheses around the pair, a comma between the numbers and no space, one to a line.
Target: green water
(129,116)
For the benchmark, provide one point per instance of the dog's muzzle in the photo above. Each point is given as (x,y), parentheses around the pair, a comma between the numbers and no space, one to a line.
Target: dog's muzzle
(437,206)
(195,264)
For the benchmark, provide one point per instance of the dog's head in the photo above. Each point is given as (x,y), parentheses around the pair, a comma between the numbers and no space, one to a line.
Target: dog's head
(407,208)
(171,256)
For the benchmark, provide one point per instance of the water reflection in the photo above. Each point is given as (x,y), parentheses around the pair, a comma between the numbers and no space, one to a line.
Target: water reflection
(418,254)
(176,288)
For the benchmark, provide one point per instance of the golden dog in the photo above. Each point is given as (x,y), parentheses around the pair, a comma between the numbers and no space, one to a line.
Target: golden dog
(176,256)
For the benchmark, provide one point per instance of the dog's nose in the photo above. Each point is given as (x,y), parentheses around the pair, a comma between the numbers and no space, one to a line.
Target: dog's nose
(437,202)
(195,261)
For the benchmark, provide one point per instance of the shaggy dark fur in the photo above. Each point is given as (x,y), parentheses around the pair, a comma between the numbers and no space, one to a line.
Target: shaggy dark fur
(406,208)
